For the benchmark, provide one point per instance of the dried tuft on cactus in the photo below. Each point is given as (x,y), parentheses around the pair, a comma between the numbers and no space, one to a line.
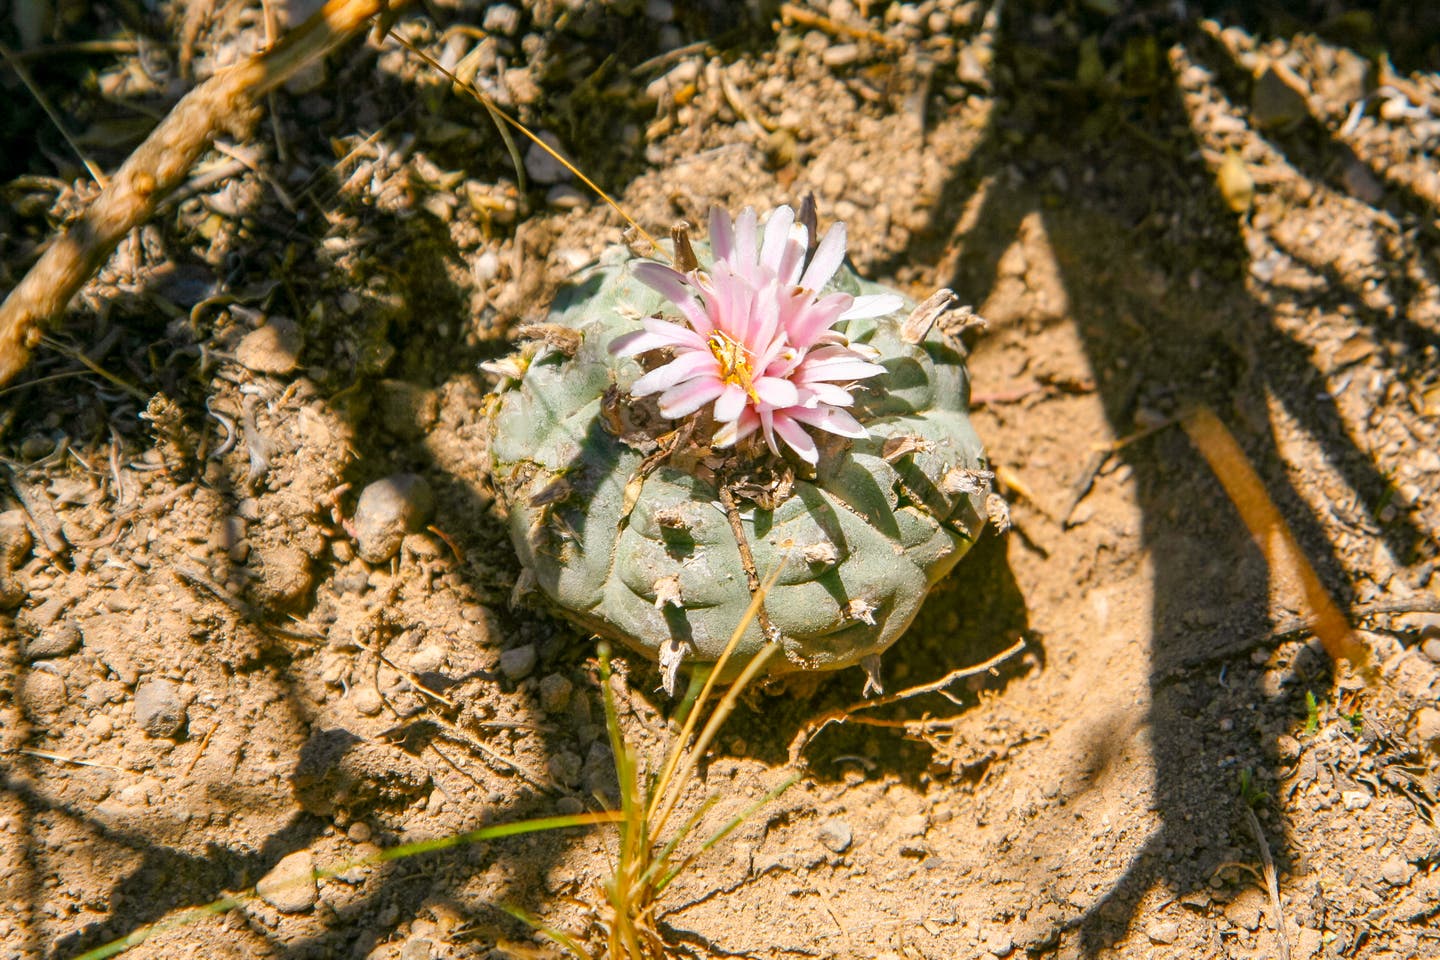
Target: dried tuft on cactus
(756,405)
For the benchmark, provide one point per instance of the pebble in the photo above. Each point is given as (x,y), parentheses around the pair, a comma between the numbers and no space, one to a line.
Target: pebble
(1355,799)
(501,18)
(518,662)
(1162,931)
(42,692)
(290,886)
(59,640)
(285,577)
(388,509)
(835,835)
(840,55)
(555,690)
(160,707)
(366,699)
(1397,871)
(1421,622)
(1431,649)
(1427,724)
(14,544)
(359,831)
(273,348)
(542,167)
(428,659)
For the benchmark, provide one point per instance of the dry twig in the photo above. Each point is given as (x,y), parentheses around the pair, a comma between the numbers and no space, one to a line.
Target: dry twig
(841,714)
(226,103)
(1272,885)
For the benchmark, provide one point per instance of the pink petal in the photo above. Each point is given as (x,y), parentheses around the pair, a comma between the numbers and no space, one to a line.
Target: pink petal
(686,366)
(639,341)
(684,399)
(839,369)
(736,430)
(829,393)
(777,234)
(744,259)
(873,305)
(827,259)
(767,427)
(793,260)
(722,234)
(816,318)
(832,420)
(675,287)
(731,403)
(796,438)
(776,393)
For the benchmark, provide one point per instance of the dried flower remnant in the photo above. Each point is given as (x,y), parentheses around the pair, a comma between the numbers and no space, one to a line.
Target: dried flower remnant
(759,343)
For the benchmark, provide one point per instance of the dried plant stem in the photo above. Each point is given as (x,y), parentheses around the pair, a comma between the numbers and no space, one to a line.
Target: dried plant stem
(747,559)
(842,714)
(1272,884)
(227,103)
(1272,535)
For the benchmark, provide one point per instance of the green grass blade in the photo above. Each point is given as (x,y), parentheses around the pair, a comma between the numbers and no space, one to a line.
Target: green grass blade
(725,831)
(227,903)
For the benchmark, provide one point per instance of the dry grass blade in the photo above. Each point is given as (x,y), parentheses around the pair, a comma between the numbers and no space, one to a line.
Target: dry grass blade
(226,103)
(1272,535)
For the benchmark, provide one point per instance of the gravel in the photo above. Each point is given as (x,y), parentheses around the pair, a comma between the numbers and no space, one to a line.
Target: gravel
(290,886)
(273,348)
(160,708)
(60,640)
(518,662)
(388,509)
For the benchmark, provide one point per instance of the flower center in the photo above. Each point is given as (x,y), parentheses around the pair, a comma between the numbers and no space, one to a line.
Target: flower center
(734,362)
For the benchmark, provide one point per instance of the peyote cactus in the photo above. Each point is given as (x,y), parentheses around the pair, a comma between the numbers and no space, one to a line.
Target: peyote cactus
(820,417)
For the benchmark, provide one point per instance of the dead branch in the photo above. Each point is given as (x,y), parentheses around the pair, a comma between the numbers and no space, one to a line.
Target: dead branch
(227,103)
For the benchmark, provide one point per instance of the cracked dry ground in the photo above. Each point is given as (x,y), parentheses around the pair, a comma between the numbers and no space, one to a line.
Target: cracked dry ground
(214,673)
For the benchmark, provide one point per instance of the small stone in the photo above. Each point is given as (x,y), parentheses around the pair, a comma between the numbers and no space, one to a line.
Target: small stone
(1355,799)
(61,639)
(387,510)
(1162,931)
(1396,871)
(518,662)
(285,577)
(1427,724)
(542,167)
(1431,649)
(905,828)
(339,770)
(359,831)
(366,699)
(840,55)
(835,835)
(160,708)
(501,18)
(1421,622)
(15,543)
(42,693)
(428,659)
(290,886)
(1277,98)
(273,348)
(555,690)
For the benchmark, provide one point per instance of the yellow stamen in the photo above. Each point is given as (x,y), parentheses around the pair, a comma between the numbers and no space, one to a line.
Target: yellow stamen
(734,362)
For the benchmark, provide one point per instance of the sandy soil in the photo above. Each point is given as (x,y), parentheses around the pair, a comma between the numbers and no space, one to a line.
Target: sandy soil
(212,672)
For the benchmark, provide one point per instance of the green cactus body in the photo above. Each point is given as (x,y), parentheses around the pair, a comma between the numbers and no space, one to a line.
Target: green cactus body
(861,541)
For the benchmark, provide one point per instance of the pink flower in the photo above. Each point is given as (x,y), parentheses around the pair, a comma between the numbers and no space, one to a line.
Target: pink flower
(758,341)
